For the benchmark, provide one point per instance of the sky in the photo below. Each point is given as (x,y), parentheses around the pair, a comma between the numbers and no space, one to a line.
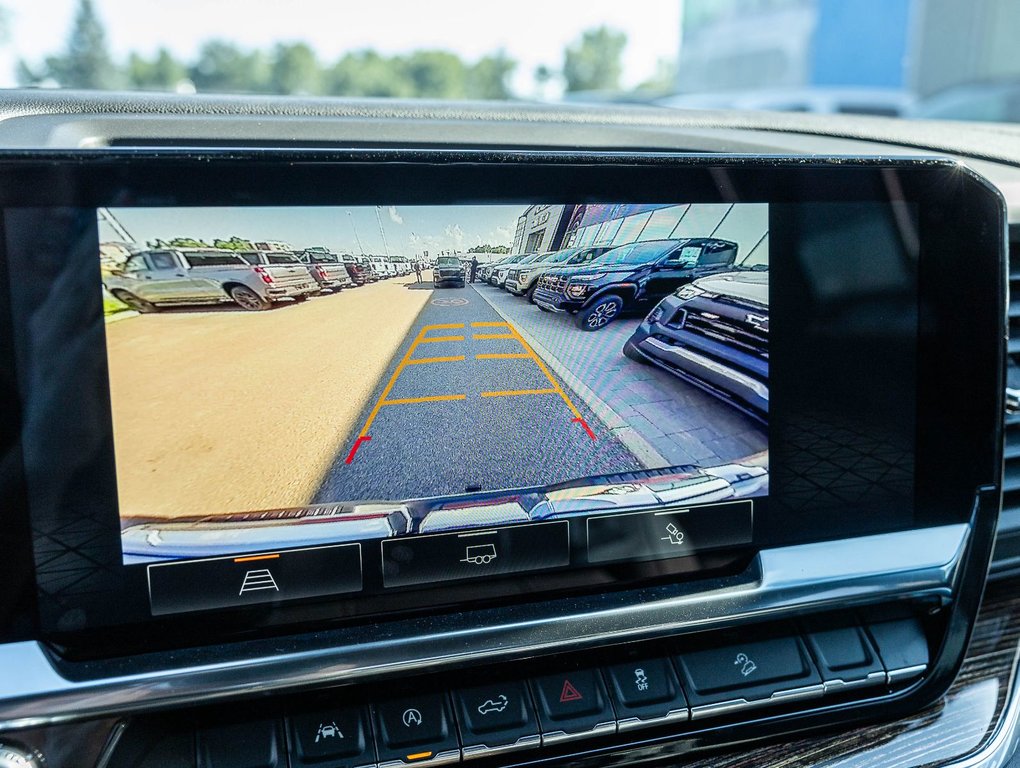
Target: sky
(409,230)
(534,32)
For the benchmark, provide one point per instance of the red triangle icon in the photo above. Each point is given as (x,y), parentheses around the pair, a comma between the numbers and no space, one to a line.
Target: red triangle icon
(570,693)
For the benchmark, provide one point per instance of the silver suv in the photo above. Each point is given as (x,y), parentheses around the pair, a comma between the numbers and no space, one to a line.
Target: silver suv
(151,279)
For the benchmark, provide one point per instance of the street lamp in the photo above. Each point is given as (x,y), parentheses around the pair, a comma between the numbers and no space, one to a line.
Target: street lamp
(355,227)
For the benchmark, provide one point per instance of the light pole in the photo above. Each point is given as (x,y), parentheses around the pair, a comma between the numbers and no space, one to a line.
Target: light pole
(355,227)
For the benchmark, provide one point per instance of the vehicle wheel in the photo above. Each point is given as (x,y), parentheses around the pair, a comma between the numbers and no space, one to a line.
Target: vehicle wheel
(541,308)
(301,297)
(247,299)
(142,306)
(600,314)
(530,293)
(630,351)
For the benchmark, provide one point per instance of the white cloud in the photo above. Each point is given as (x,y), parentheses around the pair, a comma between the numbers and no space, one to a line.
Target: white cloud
(455,234)
(395,217)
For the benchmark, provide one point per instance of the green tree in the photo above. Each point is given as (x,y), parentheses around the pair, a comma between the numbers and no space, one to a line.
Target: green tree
(188,242)
(489,77)
(366,73)
(295,70)
(437,75)
(662,82)
(235,243)
(595,63)
(222,67)
(486,248)
(162,73)
(86,62)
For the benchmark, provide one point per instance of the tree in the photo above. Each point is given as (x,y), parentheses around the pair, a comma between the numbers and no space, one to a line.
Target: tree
(86,62)
(162,73)
(486,248)
(436,75)
(222,67)
(188,242)
(294,70)
(235,243)
(596,62)
(489,77)
(366,73)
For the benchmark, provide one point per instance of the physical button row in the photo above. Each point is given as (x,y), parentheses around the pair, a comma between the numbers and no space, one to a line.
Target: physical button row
(436,728)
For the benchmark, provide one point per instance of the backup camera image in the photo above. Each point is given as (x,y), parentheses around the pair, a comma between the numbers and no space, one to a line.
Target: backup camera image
(301,377)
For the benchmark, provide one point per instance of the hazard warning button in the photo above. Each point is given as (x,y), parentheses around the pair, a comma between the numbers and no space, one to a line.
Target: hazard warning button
(573,704)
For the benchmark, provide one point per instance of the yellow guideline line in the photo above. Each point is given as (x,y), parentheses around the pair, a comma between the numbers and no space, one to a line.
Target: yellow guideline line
(490,325)
(515,392)
(538,360)
(494,336)
(441,338)
(445,326)
(432,399)
(451,359)
(504,356)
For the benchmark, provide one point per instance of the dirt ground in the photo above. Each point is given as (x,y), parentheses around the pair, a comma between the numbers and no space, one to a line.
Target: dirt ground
(220,410)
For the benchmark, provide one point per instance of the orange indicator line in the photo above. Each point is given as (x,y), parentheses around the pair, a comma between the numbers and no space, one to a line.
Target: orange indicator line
(515,392)
(419,756)
(441,338)
(504,356)
(490,325)
(451,359)
(256,557)
(432,399)
(494,336)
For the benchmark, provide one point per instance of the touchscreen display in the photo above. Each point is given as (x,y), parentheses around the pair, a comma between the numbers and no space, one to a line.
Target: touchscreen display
(293,389)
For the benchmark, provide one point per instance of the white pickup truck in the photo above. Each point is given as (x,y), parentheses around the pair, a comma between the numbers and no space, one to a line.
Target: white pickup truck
(156,278)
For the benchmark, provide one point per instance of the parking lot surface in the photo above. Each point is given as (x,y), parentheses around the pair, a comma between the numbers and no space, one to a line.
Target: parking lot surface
(466,405)
(219,410)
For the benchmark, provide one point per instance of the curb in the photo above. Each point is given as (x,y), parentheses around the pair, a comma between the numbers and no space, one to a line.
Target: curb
(616,424)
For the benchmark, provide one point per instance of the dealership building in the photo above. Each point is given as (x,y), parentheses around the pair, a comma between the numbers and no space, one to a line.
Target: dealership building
(540,228)
(613,225)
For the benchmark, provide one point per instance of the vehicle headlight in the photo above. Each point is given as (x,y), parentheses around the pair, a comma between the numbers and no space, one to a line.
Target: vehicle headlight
(522,275)
(656,314)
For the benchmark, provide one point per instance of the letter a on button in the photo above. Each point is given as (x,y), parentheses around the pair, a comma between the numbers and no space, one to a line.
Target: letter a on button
(569,693)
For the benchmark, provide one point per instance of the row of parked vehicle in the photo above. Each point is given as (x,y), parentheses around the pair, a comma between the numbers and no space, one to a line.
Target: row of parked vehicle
(252,279)
(706,316)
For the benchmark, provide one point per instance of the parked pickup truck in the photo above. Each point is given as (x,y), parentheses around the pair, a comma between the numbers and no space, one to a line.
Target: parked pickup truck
(327,268)
(713,333)
(151,279)
(630,278)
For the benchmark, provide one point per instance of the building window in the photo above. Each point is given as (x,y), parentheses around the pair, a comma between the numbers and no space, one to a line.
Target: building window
(663,222)
(630,228)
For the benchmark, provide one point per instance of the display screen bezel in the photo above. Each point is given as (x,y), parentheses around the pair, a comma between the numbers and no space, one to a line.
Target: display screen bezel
(954,210)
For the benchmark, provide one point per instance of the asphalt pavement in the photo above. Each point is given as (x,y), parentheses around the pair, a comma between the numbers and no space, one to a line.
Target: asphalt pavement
(467,405)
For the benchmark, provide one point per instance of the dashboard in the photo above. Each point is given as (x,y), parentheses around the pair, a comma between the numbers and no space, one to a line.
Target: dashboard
(274,498)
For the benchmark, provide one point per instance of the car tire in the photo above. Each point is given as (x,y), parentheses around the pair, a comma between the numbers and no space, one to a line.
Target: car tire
(631,352)
(248,300)
(530,293)
(302,297)
(601,313)
(141,306)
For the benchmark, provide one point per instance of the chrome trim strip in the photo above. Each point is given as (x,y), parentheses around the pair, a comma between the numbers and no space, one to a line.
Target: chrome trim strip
(480,750)
(778,583)
(739,705)
(998,750)
(673,716)
(557,737)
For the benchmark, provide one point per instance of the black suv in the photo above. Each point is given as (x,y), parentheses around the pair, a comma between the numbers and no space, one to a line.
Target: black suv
(448,269)
(714,333)
(630,278)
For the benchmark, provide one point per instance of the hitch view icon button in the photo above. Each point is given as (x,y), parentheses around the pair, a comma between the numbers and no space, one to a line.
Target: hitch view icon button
(475,554)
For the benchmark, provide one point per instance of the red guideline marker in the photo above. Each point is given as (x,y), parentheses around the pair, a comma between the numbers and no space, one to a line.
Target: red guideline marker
(354,450)
(584,424)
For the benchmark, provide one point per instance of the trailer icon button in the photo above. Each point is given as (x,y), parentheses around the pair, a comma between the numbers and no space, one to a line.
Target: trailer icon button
(480,554)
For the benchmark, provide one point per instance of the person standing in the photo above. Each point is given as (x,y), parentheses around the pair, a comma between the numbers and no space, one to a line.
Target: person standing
(474,267)
(417,270)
